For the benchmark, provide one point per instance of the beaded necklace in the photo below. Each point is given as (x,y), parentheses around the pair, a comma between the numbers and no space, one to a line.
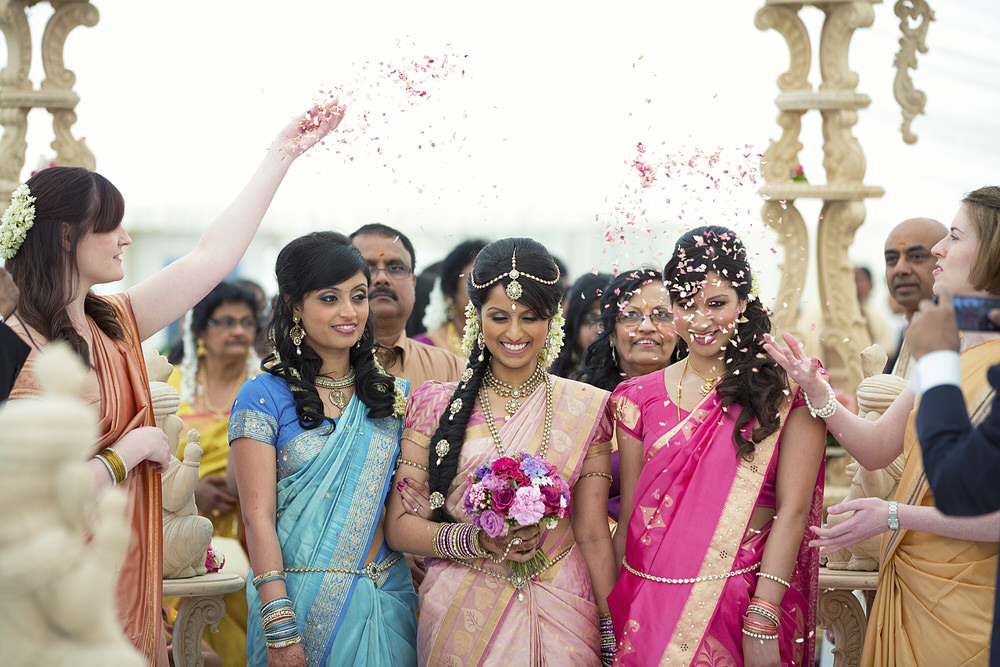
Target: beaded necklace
(484,404)
(512,393)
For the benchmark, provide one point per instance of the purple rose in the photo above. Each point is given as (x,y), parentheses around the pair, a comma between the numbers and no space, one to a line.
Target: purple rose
(492,523)
(503,498)
(552,498)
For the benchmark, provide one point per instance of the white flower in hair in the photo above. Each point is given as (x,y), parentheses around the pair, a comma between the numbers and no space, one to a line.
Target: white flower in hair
(17,220)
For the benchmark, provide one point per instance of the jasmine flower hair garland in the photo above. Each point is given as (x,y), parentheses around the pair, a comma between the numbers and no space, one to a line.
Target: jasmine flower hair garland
(17,220)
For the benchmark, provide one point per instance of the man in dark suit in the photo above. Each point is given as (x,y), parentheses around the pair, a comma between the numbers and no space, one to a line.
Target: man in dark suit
(962,462)
(13,351)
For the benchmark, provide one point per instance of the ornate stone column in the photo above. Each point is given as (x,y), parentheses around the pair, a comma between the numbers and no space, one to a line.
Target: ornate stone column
(18,95)
(843,195)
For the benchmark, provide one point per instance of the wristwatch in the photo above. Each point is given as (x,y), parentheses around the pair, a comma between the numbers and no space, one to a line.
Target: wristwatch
(893,521)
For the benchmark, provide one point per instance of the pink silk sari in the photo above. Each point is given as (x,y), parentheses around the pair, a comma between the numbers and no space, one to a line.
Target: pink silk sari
(691,510)
(471,618)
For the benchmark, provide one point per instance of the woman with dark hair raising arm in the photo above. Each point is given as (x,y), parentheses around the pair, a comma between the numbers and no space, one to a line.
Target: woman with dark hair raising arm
(61,236)
(528,595)
(720,467)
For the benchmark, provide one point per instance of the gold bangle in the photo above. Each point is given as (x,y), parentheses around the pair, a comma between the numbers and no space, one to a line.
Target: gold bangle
(605,475)
(114,463)
(273,574)
(288,642)
(402,461)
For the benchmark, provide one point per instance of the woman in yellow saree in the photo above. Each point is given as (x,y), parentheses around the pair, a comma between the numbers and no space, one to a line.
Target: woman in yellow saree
(478,605)
(934,602)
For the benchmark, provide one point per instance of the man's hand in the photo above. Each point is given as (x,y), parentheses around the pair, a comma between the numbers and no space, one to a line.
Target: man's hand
(933,327)
(8,294)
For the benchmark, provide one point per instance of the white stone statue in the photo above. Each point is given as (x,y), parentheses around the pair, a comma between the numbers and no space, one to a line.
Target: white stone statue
(875,394)
(59,554)
(186,535)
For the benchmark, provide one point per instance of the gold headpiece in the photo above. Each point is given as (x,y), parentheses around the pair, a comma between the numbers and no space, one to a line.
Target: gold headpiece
(513,289)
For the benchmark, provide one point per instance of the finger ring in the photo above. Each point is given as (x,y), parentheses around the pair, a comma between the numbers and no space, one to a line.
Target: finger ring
(216,512)
(414,510)
(516,541)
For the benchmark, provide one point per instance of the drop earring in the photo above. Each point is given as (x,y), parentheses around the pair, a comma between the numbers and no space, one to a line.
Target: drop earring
(482,346)
(742,319)
(297,333)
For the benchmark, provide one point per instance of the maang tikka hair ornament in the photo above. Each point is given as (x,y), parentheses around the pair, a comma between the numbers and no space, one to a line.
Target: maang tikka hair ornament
(513,289)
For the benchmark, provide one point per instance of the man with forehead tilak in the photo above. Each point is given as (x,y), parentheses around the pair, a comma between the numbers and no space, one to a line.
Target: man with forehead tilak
(909,266)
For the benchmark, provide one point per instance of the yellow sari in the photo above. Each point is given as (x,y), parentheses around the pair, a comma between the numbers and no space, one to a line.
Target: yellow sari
(934,603)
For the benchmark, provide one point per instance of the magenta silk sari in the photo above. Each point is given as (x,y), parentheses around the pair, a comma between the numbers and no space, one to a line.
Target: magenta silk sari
(691,511)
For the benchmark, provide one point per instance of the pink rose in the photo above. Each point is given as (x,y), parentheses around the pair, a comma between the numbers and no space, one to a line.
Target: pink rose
(528,508)
(492,523)
(503,498)
(552,499)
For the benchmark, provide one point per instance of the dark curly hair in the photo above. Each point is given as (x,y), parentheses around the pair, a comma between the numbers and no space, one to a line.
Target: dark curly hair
(600,367)
(587,289)
(311,262)
(752,380)
(543,300)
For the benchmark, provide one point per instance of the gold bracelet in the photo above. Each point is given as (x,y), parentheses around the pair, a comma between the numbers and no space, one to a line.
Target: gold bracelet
(605,475)
(114,463)
(287,642)
(402,461)
(272,575)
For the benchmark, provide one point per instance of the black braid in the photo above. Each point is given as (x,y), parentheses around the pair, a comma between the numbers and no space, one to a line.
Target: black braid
(453,430)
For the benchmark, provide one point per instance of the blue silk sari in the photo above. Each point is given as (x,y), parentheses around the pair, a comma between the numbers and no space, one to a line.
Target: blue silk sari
(330,495)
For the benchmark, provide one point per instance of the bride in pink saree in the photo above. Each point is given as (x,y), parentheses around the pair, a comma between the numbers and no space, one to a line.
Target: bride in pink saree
(721,475)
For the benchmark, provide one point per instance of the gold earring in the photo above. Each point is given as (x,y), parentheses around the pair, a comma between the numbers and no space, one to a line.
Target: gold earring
(297,333)
(201,351)
(742,319)
(482,345)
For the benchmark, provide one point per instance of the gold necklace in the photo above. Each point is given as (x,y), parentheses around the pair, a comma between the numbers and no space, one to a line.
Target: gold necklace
(484,404)
(337,396)
(201,380)
(512,393)
(709,382)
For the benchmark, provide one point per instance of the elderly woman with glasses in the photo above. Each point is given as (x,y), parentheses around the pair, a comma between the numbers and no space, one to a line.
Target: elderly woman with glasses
(637,337)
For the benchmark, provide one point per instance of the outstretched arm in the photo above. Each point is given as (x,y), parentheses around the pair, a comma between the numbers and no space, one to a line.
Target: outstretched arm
(874,444)
(168,294)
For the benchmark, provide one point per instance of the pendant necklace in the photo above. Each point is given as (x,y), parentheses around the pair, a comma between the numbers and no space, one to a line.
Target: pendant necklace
(484,404)
(336,387)
(512,393)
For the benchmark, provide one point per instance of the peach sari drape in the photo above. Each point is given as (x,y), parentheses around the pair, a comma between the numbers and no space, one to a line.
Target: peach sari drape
(125,404)
(470,618)
(934,603)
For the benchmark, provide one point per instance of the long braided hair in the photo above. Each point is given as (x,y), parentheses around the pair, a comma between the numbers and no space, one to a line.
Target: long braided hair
(311,262)
(543,300)
(752,379)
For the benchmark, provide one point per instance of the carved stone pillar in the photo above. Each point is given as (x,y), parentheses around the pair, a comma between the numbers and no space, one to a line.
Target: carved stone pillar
(843,195)
(18,95)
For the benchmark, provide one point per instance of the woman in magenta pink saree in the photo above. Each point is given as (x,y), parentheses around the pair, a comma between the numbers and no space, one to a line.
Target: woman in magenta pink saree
(720,478)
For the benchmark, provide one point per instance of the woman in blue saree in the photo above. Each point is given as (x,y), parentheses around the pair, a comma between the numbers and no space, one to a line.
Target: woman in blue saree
(314,443)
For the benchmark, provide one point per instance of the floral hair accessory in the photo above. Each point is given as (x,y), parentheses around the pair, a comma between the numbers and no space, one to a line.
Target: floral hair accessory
(554,339)
(471,329)
(399,398)
(17,220)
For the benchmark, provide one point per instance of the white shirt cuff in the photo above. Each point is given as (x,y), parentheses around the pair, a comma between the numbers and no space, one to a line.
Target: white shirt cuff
(938,368)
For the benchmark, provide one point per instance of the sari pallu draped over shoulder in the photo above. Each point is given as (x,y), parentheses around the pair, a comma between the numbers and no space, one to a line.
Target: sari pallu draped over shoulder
(692,506)
(126,404)
(326,514)
(471,618)
(935,596)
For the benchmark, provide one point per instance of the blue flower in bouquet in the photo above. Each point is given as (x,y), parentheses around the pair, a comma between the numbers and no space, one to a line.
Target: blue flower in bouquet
(533,468)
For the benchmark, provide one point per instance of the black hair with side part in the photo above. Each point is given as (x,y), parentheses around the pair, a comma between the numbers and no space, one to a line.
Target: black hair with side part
(312,262)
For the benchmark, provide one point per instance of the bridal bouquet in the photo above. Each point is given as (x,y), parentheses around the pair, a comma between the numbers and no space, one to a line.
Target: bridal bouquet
(513,493)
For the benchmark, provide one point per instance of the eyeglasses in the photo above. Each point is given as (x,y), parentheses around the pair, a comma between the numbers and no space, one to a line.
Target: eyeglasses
(633,318)
(592,319)
(231,323)
(393,271)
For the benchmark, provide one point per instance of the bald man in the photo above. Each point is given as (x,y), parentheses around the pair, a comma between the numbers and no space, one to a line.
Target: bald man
(909,267)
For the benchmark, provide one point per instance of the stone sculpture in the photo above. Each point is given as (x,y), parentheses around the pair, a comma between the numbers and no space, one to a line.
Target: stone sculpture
(875,394)
(59,553)
(186,535)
